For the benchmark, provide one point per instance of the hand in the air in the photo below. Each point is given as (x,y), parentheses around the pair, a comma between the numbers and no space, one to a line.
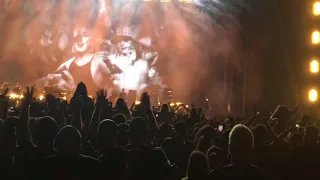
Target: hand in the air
(101,98)
(28,95)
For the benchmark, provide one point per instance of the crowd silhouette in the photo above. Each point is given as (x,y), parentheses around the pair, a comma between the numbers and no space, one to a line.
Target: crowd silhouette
(94,139)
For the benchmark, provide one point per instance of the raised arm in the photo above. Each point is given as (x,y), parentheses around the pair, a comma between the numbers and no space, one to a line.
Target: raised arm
(95,120)
(4,103)
(24,116)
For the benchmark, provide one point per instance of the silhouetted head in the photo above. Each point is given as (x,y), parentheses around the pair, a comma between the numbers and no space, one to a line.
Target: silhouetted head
(107,136)
(197,167)
(260,135)
(46,130)
(121,104)
(295,139)
(145,101)
(170,148)
(119,118)
(283,114)
(193,111)
(180,128)
(138,130)
(206,132)
(310,135)
(81,90)
(216,158)
(68,141)
(241,143)
(123,137)
(9,131)
(155,165)
(165,108)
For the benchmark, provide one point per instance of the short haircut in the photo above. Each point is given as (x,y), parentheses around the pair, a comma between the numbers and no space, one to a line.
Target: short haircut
(241,140)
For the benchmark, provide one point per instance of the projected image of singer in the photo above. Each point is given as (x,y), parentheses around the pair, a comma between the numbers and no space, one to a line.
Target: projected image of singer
(132,65)
(85,66)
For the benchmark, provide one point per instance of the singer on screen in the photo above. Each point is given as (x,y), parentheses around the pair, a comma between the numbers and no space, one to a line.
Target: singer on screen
(84,66)
(130,66)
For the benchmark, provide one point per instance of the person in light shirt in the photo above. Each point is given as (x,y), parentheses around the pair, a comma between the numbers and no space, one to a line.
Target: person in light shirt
(133,62)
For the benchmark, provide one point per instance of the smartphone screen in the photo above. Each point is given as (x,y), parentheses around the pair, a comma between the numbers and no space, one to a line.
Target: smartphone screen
(220,128)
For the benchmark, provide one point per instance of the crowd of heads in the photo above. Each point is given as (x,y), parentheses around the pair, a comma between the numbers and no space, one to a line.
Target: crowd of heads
(92,139)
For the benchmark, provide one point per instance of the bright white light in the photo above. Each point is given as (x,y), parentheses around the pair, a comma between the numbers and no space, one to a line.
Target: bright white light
(137,102)
(41,97)
(316,8)
(315,37)
(314,66)
(313,95)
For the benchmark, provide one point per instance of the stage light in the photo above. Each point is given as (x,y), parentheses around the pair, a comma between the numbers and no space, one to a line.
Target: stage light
(41,97)
(313,95)
(316,8)
(187,106)
(172,104)
(178,103)
(314,66)
(116,82)
(315,37)
(13,96)
(137,102)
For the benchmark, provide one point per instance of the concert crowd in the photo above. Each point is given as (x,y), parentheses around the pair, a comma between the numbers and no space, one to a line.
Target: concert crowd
(96,139)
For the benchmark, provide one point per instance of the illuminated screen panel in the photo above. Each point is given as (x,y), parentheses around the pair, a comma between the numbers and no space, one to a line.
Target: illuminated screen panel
(116,45)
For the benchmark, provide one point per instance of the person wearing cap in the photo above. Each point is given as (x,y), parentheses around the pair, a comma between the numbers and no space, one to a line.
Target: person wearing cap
(132,64)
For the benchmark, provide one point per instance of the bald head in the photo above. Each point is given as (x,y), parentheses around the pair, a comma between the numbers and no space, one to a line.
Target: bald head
(240,141)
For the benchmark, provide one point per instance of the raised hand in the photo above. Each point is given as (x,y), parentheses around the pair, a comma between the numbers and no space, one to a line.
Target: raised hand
(4,94)
(101,98)
(28,95)
(4,103)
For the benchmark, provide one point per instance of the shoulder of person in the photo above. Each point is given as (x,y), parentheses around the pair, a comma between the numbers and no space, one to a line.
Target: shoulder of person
(218,173)
(89,158)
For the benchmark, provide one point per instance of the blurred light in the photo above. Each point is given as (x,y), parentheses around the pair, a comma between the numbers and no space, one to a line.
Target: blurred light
(207,99)
(178,103)
(159,103)
(137,102)
(185,1)
(21,96)
(313,95)
(41,97)
(13,96)
(315,37)
(314,66)
(187,106)
(172,104)
(115,82)
(64,98)
(316,8)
